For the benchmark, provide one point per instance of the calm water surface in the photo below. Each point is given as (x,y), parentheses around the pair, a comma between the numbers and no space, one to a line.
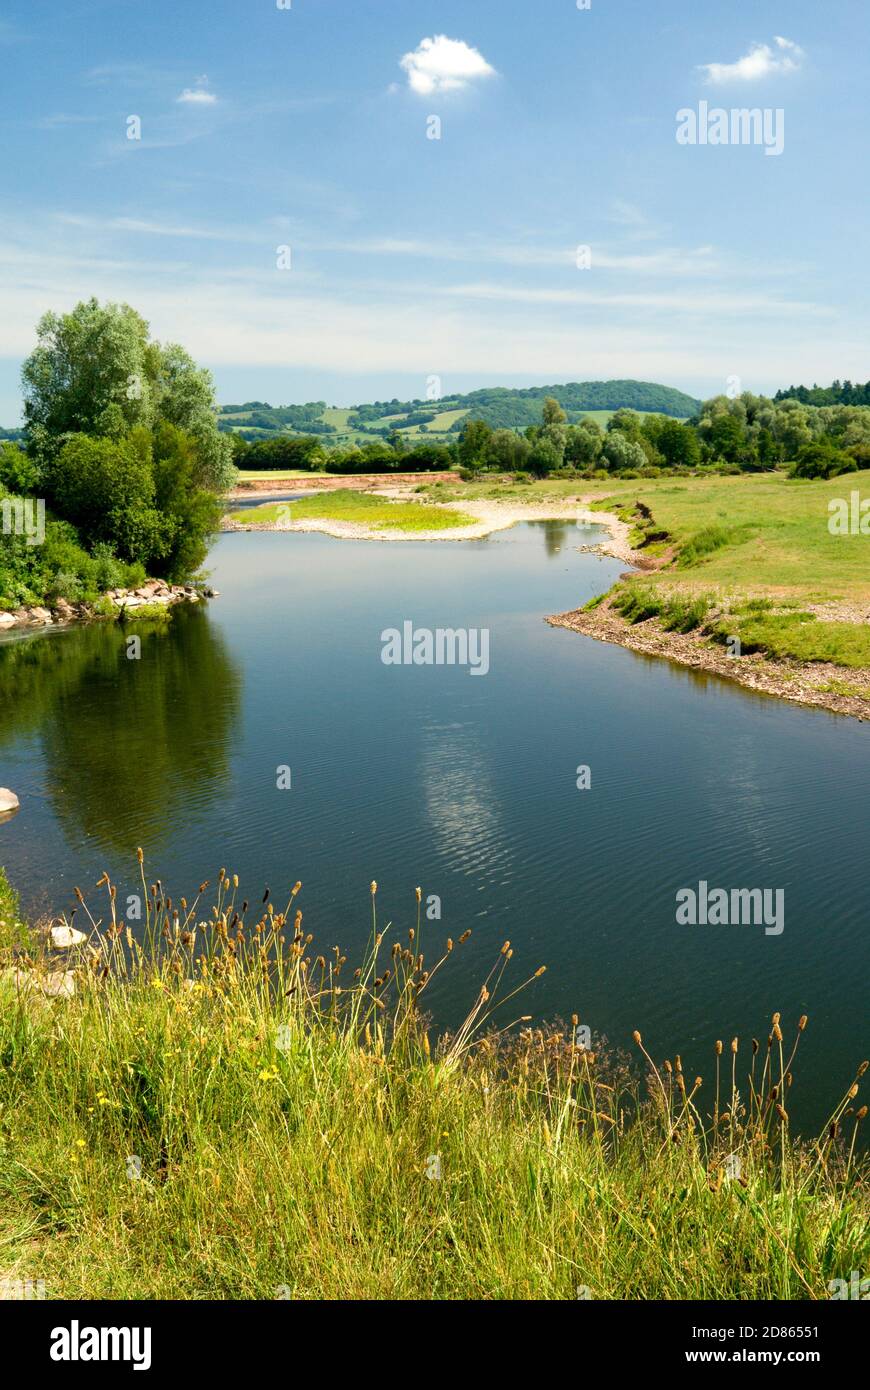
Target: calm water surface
(465,785)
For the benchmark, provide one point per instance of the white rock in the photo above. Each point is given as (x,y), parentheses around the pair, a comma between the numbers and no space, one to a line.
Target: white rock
(64,937)
(7,620)
(59,984)
(8,800)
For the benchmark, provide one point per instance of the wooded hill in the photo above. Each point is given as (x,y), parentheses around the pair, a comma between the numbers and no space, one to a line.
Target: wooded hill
(501,408)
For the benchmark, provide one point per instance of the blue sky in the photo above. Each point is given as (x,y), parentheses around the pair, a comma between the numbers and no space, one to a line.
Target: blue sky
(411,257)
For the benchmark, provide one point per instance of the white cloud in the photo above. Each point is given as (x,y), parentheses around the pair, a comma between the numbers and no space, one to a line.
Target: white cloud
(760,61)
(440,64)
(198,95)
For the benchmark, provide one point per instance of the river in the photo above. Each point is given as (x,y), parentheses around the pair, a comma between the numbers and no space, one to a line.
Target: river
(464,784)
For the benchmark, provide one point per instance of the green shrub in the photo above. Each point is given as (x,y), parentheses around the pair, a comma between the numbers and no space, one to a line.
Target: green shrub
(822,460)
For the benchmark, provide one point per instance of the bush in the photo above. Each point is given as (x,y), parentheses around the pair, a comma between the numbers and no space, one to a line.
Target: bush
(18,473)
(106,489)
(822,460)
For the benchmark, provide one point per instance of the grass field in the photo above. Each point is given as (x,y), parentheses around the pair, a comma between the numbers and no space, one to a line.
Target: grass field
(195,1124)
(358,507)
(734,539)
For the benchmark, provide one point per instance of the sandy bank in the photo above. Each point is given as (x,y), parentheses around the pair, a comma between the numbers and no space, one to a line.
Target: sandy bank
(488,517)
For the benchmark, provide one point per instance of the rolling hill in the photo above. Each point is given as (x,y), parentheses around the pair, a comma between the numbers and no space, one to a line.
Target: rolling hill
(501,407)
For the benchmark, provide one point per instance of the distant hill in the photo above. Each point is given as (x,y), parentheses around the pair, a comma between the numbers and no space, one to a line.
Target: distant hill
(501,407)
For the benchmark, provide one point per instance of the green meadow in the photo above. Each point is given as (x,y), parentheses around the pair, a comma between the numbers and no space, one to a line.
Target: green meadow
(361,508)
(726,541)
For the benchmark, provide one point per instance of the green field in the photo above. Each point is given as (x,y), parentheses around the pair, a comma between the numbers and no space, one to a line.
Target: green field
(603,417)
(360,508)
(732,539)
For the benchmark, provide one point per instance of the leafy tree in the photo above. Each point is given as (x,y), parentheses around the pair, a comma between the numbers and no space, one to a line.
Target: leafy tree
(544,457)
(822,460)
(583,444)
(627,422)
(622,452)
(286,452)
(105,487)
(677,444)
(18,473)
(553,414)
(183,395)
(793,428)
(508,451)
(426,456)
(90,373)
(769,449)
(474,443)
(190,514)
(726,439)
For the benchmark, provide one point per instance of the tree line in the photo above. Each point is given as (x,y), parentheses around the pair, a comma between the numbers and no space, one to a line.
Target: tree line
(747,433)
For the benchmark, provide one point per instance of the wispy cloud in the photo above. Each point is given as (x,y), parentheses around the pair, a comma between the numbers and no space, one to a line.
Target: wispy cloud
(64,119)
(440,64)
(725,302)
(198,95)
(146,227)
(760,61)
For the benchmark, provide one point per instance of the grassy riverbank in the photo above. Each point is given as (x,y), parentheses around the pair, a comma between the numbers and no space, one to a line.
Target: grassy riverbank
(227,1114)
(753,553)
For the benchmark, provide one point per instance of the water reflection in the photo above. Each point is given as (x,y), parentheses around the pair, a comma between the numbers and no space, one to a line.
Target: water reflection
(557,533)
(124,754)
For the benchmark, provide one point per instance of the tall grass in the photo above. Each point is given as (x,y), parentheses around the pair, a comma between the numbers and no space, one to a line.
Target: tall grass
(222,1112)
